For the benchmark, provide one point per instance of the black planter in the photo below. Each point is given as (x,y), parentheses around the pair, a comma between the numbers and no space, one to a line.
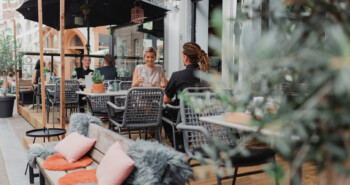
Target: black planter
(6,106)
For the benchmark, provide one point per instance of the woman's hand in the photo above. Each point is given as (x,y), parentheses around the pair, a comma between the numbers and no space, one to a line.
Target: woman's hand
(140,80)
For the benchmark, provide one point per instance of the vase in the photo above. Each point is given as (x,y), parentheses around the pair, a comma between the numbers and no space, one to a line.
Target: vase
(98,88)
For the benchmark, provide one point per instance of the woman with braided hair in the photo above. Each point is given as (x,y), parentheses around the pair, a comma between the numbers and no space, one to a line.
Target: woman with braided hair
(195,59)
(192,56)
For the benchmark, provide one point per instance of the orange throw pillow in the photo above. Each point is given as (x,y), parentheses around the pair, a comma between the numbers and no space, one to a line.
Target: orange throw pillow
(79,177)
(57,162)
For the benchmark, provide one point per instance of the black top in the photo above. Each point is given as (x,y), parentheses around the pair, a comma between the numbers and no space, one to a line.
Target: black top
(109,72)
(81,72)
(180,80)
(37,76)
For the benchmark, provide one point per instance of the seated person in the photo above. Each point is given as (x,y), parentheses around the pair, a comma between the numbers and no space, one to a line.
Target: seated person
(11,82)
(36,73)
(191,55)
(81,72)
(149,74)
(108,70)
(85,70)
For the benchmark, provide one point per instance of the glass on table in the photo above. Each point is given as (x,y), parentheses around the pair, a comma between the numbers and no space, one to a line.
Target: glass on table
(115,87)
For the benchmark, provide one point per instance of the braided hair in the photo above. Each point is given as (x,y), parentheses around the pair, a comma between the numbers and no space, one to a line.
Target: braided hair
(195,54)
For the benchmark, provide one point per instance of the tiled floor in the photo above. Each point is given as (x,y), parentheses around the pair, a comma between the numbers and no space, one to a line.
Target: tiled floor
(14,159)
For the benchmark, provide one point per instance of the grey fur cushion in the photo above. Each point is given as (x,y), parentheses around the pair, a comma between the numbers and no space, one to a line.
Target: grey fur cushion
(157,164)
(78,122)
(39,150)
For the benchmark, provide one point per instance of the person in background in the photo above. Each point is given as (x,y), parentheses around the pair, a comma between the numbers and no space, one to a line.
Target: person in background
(36,73)
(192,56)
(108,70)
(11,81)
(85,69)
(149,74)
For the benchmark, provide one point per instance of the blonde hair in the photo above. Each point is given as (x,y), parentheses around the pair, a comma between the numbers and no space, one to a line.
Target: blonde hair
(149,49)
(195,54)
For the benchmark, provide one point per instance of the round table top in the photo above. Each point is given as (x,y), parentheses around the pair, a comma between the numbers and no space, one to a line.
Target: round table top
(45,132)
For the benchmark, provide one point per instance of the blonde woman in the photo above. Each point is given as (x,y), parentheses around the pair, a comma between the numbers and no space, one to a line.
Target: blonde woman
(149,74)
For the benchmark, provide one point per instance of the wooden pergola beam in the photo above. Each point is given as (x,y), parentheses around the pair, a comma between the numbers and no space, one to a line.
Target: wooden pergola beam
(40,15)
(62,91)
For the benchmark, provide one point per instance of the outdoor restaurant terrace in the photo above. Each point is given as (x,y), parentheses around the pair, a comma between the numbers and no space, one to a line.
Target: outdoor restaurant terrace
(176,92)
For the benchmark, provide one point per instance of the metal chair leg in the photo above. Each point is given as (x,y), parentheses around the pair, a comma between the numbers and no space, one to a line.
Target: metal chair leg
(53,115)
(218,179)
(235,176)
(47,113)
(159,129)
(34,96)
(31,174)
(174,136)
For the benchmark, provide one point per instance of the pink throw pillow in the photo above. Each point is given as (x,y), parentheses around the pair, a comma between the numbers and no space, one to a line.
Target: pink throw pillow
(115,166)
(74,146)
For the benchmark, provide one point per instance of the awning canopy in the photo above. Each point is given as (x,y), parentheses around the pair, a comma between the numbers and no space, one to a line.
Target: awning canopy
(101,12)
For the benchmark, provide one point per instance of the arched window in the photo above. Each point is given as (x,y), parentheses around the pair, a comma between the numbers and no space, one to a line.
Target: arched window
(76,41)
(55,41)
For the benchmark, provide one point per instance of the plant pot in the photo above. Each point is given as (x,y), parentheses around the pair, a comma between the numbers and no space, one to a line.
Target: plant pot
(6,106)
(98,88)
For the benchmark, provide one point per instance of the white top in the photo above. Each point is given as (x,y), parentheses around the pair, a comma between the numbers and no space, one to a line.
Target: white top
(152,75)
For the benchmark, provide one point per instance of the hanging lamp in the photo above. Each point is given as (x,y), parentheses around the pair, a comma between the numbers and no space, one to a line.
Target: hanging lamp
(137,13)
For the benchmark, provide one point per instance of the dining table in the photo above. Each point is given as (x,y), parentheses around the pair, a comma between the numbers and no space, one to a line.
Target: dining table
(245,126)
(111,94)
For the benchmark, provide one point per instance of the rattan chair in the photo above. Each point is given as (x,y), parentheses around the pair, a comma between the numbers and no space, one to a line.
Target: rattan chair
(142,111)
(125,85)
(36,95)
(175,122)
(71,97)
(96,105)
(198,134)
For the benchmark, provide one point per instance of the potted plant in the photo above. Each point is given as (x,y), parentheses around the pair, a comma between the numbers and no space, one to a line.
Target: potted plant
(85,8)
(7,63)
(307,47)
(97,85)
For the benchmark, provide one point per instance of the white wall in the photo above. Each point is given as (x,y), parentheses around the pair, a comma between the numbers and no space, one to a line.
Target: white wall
(177,31)
(172,40)
(228,42)
(202,24)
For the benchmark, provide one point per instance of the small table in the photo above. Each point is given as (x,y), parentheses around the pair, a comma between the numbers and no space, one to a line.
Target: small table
(44,132)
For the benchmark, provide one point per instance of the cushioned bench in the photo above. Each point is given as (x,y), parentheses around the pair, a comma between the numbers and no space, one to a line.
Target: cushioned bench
(104,139)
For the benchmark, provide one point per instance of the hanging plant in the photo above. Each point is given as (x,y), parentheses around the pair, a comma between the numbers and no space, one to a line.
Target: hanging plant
(85,8)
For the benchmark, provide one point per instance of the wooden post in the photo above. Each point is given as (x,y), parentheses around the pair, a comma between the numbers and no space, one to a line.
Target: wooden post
(43,103)
(62,91)
(16,71)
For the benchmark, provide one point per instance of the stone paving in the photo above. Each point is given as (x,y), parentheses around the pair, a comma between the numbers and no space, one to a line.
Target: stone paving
(13,158)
